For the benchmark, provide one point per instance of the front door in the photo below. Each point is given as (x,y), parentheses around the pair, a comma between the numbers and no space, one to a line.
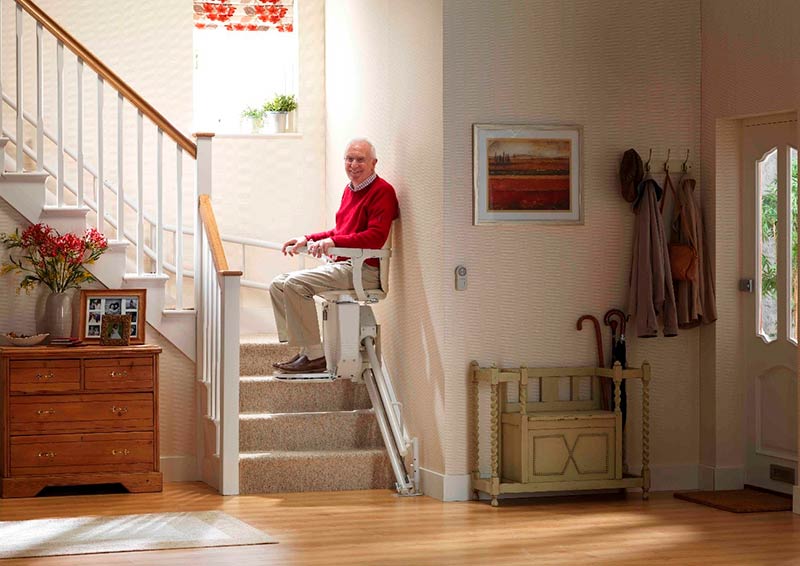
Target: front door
(769,324)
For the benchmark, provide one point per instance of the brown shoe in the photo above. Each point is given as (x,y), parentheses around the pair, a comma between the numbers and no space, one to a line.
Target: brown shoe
(279,365)
(304,365)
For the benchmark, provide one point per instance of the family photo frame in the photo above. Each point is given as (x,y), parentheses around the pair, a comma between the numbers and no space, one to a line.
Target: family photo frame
(527,174)
(113,317)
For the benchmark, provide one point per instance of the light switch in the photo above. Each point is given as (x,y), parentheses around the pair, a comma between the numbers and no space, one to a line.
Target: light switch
(461,278)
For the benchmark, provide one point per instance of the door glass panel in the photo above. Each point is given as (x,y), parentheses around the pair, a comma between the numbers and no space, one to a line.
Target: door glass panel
(793,248)
(768,243)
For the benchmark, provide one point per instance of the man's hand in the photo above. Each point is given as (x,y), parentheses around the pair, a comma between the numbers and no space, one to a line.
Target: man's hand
(318,249)
(290,246)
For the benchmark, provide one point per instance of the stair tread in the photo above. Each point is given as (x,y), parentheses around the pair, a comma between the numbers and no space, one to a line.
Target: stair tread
(306,414)
(310,453)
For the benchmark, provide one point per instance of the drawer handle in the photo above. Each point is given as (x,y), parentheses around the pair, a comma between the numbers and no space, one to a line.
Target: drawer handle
(46,454)
(119,411)
(115,373)
(48,375)
(46,412)
(123,452)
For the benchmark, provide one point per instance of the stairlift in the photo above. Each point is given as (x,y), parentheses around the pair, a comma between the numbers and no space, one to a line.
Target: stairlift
(351,340)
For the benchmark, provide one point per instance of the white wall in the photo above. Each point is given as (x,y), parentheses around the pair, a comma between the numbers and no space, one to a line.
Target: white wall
(384,81)
(750,66)
(629,73)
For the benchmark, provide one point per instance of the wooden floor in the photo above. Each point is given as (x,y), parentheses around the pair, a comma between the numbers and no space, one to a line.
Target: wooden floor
(379,528)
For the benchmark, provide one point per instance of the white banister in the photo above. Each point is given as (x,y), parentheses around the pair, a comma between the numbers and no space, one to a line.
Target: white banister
(139,194)
(20,81)
(60,123)
(159,203)
(99,184)
(120,179)
(1,74)
(39,98)
(179,229)
(79,79)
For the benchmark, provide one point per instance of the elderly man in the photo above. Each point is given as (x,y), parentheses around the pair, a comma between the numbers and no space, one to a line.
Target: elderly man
(368,207)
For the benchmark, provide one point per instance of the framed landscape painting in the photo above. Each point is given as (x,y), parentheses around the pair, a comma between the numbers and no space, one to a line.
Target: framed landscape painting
(527,174)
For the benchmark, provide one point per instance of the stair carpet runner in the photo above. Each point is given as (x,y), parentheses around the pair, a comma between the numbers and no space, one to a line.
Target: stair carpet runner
(301,436)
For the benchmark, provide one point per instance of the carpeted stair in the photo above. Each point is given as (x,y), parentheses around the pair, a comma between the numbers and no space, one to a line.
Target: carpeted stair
(300,436)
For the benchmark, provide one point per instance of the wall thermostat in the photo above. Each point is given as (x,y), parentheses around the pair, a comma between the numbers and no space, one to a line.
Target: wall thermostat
(461,278)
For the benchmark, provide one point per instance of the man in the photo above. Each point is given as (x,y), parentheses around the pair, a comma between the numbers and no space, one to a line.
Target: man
(368,207)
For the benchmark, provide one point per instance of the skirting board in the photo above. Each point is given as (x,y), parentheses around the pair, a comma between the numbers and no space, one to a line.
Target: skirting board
(445,487)
(721,478)
(179,468)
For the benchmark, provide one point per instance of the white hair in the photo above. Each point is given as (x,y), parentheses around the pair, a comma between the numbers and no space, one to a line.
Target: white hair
(365,141)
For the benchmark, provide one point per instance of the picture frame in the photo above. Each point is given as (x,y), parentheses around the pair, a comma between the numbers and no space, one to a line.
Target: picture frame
(115,329)
(96,303)
(527,173)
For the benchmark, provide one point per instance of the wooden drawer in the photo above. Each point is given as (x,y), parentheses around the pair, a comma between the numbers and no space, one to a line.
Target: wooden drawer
(119,374)
(36,414)
(75,453)
(568,451)
(44,376)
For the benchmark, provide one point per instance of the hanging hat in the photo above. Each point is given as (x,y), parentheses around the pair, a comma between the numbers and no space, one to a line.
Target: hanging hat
(631,173)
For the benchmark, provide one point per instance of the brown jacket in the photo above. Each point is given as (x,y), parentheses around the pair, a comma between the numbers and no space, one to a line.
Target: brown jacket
(651,292)
(695,299)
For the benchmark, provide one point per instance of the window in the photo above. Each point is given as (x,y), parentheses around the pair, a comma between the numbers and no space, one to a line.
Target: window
(245,52)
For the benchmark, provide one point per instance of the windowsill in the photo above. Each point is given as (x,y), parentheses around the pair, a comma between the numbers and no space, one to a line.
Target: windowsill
(287,135)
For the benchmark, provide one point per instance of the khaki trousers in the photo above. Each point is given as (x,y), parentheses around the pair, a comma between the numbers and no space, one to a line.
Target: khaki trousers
(293,293)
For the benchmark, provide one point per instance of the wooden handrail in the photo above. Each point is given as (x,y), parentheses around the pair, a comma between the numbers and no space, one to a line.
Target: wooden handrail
(109,76)
(214,241)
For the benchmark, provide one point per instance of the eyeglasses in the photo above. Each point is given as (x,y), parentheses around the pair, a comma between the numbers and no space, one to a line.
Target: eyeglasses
(359,160)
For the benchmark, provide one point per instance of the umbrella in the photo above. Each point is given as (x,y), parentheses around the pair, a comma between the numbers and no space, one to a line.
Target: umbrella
(618,352)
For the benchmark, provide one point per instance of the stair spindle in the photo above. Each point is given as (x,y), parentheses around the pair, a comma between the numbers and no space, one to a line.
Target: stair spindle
(100,179)
(20,80)
(79,79)
(39,98)
(139,195)
(60,123)
(120,184)
(160,204)
(179,229)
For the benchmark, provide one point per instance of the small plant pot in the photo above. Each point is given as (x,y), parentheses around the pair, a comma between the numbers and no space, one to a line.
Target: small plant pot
(256,125)
(275,122)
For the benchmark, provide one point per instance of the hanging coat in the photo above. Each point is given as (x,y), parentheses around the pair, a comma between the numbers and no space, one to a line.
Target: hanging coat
(651,293)
(696,300)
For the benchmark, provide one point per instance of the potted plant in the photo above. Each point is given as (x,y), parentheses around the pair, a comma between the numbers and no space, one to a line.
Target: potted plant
(256,117)
(43,256)
(275,112)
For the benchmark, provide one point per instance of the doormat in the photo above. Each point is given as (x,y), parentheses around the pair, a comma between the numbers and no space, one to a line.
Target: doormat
(123,533)
(747,500)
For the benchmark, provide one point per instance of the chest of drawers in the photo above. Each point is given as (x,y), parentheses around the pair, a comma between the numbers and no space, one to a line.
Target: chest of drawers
(77,416)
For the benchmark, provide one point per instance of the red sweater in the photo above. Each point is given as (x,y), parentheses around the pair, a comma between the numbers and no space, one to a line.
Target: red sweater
(364,218)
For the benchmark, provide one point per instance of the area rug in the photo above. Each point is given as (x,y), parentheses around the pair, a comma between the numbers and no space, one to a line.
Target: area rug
(747,500)
(122,533)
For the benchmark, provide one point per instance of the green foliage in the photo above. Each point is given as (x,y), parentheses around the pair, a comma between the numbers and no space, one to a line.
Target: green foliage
(254,113)
(769,231)
(281,103)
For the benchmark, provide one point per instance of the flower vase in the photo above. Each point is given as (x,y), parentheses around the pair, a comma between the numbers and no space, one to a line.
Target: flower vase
(58,315)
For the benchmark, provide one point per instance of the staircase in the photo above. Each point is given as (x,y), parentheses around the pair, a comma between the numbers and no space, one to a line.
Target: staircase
(300,436)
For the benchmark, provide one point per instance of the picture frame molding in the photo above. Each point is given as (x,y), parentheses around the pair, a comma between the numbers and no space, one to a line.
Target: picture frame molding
(104,294)
(482,132)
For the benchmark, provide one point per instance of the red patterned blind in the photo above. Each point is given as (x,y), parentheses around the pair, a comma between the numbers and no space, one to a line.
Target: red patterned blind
(244,15)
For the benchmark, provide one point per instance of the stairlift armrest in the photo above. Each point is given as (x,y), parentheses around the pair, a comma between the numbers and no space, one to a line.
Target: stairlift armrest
(358,255)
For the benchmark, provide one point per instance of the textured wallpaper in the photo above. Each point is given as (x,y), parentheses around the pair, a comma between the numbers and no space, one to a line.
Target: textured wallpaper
(751,66)
(629,85)
(384,81)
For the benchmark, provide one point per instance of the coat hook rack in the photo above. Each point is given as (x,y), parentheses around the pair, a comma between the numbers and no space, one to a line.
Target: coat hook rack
(685,161)
(666,163)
